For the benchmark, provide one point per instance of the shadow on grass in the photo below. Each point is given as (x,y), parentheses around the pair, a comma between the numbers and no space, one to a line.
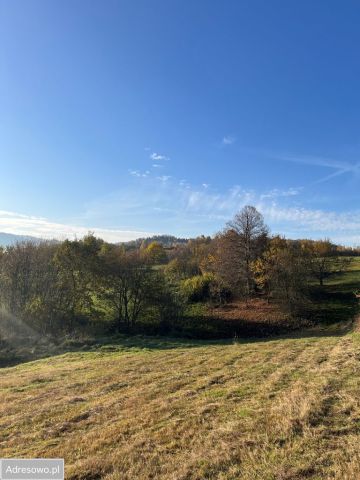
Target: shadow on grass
(332,304)
(15,353)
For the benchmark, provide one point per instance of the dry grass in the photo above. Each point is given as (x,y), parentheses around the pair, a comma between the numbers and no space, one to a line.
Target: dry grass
(255,318)
(277,409)
(255,310)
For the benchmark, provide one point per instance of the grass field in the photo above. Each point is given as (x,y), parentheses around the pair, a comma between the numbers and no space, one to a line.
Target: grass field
(282,408)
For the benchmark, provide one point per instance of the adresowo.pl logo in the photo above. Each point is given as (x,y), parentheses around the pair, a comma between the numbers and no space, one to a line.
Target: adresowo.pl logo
(32,469)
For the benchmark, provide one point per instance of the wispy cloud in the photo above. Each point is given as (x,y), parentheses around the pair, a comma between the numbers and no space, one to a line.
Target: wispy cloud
(19,224)
(164,178)
(184,184)
(157,165)
(180,208)
(158,157)
(307,222)
(228,140)
(276,192)
(340,167)
(162,203)
(137,173)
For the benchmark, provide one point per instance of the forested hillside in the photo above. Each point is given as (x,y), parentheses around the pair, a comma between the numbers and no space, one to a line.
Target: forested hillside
(242,282)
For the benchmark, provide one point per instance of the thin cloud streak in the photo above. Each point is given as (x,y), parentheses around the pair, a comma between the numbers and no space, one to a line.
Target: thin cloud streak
(341,167)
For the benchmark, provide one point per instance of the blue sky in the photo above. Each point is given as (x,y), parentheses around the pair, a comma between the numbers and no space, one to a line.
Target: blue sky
(167,116)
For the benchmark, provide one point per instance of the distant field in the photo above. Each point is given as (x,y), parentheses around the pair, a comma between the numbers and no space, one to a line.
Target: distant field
(350,278)
(336,302)
(277,409)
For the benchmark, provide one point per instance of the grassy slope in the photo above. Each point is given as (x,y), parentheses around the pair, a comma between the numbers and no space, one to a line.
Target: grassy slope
(285,408)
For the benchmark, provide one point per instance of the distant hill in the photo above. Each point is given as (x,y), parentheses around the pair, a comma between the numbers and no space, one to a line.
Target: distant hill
(7,239)
(165,240)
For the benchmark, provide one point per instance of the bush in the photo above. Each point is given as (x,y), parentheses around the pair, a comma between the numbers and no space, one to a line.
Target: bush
(197,288)
(202,288)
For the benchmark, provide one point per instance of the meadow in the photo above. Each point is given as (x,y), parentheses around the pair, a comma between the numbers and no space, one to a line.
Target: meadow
(156,408)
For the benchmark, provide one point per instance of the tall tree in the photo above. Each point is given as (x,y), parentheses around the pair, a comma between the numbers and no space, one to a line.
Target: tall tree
(77,262)
(125,283)
(322,258)
(243,240)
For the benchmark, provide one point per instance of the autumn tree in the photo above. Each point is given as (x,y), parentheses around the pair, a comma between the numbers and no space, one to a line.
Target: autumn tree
(243,240)
(282,274)
(77,262)
(164,299)
(18,275)
(125,280)
(155,253)
(321,257)
(30,298)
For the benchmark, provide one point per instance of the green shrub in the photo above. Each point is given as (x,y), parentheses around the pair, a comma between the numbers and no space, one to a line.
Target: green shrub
(198,288)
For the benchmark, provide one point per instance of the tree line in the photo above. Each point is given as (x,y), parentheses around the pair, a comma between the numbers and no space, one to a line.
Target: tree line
(88,284)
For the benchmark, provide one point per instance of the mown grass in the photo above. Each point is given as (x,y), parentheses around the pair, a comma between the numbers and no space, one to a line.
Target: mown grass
(141,408)
(276,409)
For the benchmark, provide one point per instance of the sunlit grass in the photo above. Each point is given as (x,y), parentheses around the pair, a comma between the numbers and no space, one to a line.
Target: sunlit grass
(157,408)
(267,409)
